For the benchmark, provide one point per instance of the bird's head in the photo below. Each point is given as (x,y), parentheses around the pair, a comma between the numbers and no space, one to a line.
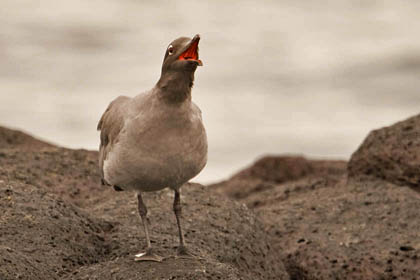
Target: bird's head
(182,55)
(178,68)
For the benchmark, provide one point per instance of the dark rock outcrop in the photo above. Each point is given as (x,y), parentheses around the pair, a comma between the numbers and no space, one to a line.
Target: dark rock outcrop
(270,171)
(390,153)
(10,138)
(321,219)
(58,222)
(42,237)
(331,224)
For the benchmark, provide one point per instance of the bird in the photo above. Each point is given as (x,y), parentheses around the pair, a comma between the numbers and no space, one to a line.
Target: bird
(156,139)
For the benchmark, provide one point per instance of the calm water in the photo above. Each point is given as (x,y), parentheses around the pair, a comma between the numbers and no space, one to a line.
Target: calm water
(310,78)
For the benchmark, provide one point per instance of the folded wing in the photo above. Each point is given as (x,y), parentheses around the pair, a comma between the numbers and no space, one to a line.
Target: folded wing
(110,125)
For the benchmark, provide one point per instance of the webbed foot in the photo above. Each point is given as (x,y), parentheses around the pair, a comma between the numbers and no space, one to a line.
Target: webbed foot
(183,253)
(148,256)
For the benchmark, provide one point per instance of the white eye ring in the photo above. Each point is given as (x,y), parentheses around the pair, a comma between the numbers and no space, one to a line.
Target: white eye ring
(170,50)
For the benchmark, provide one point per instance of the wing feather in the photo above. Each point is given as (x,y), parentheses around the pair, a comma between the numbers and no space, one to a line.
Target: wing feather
(110,125)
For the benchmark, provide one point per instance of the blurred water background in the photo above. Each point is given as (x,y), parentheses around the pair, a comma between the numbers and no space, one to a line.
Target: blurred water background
(305,77)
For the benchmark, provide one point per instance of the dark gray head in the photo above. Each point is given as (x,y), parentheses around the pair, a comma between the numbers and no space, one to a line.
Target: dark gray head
(182,55)
(178,67)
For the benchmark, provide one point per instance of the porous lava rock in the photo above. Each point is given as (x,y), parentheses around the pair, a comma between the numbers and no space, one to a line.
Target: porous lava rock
(330,224)
(58,222)
(391,153)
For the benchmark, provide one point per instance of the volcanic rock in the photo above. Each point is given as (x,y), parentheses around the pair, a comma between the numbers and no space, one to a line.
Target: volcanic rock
(391,153)
(331,224)
(58,222)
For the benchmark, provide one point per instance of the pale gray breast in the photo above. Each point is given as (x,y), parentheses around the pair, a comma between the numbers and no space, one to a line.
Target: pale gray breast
(160,146)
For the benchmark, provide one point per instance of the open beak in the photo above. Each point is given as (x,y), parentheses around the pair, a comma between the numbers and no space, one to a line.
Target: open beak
(191,53)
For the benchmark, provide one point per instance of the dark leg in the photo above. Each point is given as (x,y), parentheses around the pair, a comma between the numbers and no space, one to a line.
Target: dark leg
(148,255)
(143,215)
(182,250)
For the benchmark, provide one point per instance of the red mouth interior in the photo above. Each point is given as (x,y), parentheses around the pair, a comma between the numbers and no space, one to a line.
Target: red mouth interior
(191,53)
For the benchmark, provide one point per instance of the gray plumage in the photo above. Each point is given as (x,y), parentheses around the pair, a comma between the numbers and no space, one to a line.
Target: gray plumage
(155,139)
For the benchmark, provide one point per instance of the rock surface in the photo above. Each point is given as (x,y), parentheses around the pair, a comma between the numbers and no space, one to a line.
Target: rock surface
(331,224)
(271,171)
(391,153)
(58,222)
(310,219)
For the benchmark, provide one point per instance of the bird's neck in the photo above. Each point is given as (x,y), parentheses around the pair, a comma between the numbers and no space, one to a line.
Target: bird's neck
(175,87)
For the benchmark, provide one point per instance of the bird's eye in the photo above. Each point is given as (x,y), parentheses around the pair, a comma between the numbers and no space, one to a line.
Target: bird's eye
(170,50)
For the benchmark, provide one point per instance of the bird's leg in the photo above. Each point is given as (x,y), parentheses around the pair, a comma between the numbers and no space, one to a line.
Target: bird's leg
(148,255)
(182,250)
